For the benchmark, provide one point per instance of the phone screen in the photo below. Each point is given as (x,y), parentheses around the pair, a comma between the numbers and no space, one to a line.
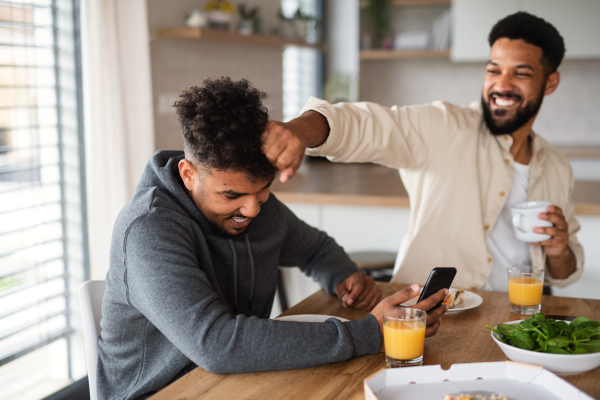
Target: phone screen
(439,278)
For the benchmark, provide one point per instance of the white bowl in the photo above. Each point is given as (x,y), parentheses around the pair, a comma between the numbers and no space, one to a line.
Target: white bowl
(558,363)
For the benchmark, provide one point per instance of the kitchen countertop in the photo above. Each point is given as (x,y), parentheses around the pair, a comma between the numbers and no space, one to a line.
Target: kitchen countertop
(322,182)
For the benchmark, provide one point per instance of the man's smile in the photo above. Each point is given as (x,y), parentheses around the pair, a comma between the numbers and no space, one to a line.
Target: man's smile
(505,100)
(239,221)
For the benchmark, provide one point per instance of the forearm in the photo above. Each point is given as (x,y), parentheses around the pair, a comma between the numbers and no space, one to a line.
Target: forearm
(312,126)
(561,266)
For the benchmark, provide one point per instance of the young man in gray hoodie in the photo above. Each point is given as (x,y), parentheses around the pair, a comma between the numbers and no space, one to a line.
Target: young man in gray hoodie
(195,257)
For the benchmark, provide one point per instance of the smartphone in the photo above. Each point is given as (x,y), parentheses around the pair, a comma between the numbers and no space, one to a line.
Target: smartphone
(439,278)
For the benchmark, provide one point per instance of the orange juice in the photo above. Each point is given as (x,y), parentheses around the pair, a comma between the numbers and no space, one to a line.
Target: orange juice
(404,340)
(525,291)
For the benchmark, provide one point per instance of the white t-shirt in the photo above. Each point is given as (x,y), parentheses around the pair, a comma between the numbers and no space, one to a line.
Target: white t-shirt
(505,248)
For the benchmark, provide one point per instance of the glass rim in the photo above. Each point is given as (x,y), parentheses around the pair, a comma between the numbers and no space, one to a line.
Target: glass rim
(417,314)
(514,269)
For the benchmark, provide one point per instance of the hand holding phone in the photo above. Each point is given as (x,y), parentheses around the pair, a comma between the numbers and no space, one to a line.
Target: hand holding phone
(439,278)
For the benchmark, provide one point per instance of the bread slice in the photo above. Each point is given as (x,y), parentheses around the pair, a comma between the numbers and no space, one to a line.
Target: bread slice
(455,298)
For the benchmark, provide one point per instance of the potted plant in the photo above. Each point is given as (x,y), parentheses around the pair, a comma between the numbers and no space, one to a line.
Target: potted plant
(378,12)
(220,14)
(248,17)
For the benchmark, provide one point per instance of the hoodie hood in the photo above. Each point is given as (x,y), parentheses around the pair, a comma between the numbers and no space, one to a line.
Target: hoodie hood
(162,171)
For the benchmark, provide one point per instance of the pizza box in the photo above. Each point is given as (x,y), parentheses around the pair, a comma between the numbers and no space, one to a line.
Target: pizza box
(514,380)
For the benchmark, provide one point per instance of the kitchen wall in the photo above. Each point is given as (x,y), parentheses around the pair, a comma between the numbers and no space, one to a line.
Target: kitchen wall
(569,116)
(179,64)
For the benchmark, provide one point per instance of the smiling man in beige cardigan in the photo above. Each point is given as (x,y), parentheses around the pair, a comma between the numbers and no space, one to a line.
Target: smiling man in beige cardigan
(463,167)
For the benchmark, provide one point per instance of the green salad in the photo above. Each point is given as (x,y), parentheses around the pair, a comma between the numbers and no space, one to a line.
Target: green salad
(538,333)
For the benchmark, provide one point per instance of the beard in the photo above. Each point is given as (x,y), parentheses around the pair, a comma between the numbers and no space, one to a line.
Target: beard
(522,116)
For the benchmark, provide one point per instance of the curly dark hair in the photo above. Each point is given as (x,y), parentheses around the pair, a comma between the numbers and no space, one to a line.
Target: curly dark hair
(222,122)
(535,31)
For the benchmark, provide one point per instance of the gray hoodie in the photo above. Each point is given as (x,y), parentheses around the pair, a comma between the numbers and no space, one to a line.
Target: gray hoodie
(179,296)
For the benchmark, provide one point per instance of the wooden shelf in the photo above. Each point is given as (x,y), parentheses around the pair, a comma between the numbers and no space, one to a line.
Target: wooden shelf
(378,54)
(413,3)
(228,37)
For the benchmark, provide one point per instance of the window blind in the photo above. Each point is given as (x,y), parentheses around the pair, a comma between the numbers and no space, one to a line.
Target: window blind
(302,67)
(43,242)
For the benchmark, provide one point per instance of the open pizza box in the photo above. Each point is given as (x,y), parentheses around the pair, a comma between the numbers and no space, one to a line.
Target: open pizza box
(513,380)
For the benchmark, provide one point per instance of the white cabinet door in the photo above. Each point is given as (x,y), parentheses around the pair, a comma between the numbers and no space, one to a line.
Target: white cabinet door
(576,20)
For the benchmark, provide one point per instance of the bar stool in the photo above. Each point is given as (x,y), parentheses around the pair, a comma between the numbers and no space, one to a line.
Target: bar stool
(378,264)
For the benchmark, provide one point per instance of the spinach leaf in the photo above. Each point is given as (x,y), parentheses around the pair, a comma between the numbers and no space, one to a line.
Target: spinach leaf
(522,340)
(561,328)
(575,323)
(508,330)
(593,346)
(560,341)
(580,350)
(588,324)
(556,350)
(584,333)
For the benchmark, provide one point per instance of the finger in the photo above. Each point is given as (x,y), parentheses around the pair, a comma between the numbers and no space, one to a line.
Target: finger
(375,300)
(272,143)
(557,219)
(555,209)
(368,283)
(559,243)
(403,295)
(432,329)
(289,172)
(551,230)
(357,288)
(432,300)
(364,301)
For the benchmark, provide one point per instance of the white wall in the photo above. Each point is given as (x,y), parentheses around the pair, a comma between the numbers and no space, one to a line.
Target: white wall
(568,116)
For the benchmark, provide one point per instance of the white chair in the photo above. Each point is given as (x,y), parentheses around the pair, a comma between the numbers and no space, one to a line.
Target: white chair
(90,296)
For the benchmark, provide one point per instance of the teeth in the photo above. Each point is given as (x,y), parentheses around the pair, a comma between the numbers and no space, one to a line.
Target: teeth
(239,221)
(505,103)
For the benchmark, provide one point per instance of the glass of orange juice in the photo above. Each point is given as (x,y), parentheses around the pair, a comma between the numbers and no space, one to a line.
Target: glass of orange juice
(525,286)
(404,336)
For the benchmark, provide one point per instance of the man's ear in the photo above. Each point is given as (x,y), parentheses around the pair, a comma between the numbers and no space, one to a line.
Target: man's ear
(188,174)
(552,82)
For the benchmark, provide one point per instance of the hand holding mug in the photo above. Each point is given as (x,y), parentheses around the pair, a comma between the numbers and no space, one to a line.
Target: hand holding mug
(558,243)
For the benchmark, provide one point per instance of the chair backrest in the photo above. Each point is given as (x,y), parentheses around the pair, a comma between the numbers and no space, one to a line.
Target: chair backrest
(90,296)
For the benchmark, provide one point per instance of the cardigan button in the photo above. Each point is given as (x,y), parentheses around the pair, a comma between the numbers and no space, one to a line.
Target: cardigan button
(507,161)
(489,259)
(486,227)
(502,193)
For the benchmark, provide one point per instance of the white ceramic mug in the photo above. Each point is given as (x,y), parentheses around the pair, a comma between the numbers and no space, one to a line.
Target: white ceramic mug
(525,218)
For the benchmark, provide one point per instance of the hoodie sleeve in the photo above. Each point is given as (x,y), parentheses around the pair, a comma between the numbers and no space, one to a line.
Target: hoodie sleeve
(166,284)
(314,252)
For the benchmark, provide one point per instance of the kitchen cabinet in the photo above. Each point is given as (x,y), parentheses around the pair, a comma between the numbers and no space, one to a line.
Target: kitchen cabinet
(576,20)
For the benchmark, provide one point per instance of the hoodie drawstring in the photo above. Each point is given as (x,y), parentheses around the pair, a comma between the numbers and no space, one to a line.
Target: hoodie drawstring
(234,276)
(252,274)
(251,271)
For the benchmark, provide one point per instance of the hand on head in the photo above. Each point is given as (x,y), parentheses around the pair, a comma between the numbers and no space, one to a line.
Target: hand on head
(283,148)
(284,143)
(433,315)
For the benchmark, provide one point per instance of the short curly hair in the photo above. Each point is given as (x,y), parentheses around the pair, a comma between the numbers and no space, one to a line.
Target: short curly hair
(535,31)
(222,122)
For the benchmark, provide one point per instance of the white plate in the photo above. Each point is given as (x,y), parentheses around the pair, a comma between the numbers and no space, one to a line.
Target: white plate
(309,318)
(557,363)
(472,300)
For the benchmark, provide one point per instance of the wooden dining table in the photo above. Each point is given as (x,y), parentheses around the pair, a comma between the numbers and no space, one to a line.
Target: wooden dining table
(462,338)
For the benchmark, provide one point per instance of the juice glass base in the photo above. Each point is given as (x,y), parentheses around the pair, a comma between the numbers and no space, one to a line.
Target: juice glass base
(393,363)
(525,310)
